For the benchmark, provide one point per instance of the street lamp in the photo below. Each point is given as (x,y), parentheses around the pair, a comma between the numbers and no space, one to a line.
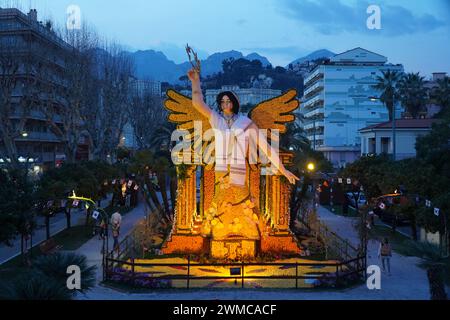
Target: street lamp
(105,217)
(24,134)
(393,124)
(311,167)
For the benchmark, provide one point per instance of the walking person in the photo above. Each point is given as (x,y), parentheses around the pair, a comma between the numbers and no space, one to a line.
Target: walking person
(385,253)
(116,221)
(115,234)
(102,229)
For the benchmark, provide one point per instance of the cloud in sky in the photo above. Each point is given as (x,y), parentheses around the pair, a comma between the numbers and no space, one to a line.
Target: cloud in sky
(330,17)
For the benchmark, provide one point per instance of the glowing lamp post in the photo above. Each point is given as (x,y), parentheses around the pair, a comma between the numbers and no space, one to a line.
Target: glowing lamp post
(311,167)
(92,203)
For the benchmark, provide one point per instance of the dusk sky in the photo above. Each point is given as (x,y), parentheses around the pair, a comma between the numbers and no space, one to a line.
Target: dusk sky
(413,32)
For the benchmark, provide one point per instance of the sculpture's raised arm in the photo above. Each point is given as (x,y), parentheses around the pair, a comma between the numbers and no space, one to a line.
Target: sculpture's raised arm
(197,97)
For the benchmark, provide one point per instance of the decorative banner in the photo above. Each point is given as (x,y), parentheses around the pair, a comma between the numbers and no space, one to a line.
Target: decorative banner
(427,203)
(349,181)
(382,206)
(339,180)
(95,214)
(436,211)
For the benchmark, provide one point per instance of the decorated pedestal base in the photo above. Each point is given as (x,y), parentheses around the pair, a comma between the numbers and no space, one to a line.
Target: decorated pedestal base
(233,249)
(186,244)
(279,244)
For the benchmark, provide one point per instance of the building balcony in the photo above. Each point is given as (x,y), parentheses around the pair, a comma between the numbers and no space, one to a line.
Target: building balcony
(318,112)
(314,101)
(316,75)
(318,86)
(317,137)
(313,124)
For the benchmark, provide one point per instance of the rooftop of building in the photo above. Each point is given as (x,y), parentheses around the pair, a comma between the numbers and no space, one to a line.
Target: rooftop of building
(356,57)
(30,22)
(403,124)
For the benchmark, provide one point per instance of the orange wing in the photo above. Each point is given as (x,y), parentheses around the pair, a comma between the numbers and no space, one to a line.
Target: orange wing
(182,112)
(276,112)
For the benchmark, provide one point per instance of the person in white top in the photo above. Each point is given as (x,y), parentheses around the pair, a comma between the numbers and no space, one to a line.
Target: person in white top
(116,218)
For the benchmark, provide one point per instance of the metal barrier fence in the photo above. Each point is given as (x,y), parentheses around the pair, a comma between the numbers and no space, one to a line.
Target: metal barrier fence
(344,272)
(121,264)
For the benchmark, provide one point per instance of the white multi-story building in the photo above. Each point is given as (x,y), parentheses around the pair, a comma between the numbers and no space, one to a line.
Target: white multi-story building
(140,87)
(336,103)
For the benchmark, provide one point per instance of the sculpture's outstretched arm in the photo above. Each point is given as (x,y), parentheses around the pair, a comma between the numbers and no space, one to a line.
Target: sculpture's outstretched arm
(273,157)
(197,97)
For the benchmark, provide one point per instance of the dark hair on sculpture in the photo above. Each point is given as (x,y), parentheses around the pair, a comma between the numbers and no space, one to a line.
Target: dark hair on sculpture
(232,97)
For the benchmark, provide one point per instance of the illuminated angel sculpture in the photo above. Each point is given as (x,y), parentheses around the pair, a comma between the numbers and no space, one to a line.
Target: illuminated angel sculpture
(232,213)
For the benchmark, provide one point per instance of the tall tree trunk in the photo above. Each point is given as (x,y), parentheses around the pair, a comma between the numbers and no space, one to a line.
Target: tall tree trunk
(152,193)
(11,150)
(413,228)
(68,217)
(47,226)
(21,248)
(87,217)
(173,193)
(163,186)
(436,281)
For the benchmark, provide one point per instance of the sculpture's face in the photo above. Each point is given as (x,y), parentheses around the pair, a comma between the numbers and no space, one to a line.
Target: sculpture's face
(226,105)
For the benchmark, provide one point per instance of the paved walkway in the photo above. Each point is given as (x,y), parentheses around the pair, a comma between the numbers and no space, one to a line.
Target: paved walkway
(58,223)
(405,270)
(92,248)
(407,281)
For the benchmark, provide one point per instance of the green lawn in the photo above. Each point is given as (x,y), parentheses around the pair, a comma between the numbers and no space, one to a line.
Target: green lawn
(70,239)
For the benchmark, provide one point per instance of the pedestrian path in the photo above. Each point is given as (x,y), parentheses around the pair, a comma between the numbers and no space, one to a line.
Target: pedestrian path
(92,249)
(405,270)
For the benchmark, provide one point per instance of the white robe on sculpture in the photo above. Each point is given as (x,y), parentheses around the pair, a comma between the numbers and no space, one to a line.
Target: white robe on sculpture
(231,146)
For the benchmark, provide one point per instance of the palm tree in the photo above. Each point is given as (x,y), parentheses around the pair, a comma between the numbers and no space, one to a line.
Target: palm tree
(413,94)
(55,266)
(173,187)
(387,84)
(141,165)
(161,138)
(33,286)
(441,96)
(47,280)
(161,166)
(434,264)
(294,138)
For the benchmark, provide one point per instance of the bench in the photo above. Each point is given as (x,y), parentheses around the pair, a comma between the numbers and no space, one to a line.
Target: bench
(49,246)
